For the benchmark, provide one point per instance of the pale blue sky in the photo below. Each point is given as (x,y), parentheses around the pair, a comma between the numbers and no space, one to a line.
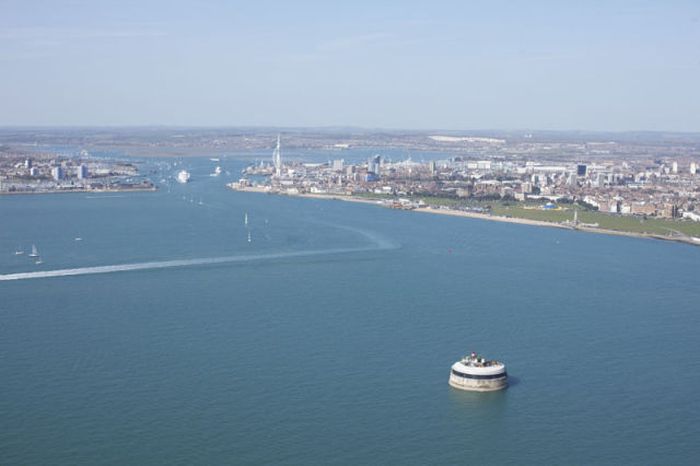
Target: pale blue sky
(608,65)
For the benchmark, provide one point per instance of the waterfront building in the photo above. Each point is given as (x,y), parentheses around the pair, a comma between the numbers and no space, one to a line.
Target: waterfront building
(57,173)
(82,171)
(28,164)
(374,164)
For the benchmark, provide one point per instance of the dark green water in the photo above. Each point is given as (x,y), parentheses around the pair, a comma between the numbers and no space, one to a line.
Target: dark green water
(340,356)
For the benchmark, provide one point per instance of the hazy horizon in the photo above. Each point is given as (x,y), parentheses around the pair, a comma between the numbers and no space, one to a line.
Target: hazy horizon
(619,66)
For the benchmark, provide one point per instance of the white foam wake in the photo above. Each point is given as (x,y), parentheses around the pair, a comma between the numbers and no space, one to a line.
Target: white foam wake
(379,244)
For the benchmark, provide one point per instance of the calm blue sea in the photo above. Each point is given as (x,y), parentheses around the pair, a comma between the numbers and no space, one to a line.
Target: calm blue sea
(335,346)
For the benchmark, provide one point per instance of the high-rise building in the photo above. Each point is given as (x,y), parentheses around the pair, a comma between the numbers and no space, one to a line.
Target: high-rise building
(57,173)
(693,168)
(338,165)
(82,171)
(33,171)
(374,164)
(581,169)
(277,158)
(28,164)
(674,167)
(600,180)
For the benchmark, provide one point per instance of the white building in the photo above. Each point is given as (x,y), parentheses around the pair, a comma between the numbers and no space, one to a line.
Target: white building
(57,173)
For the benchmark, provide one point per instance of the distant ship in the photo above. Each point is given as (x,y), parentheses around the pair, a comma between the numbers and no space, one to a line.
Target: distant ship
(475,373)
(34,252)
(183,176)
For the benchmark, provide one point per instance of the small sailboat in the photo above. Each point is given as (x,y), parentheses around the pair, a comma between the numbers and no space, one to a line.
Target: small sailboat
(19,251)
(245,219)
(38,261)
(183,176)
(34,252)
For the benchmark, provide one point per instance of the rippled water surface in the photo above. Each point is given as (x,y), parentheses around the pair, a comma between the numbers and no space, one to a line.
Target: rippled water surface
(327,339)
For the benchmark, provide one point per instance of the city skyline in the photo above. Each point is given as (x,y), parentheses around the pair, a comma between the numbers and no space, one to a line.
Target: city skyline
(616,66)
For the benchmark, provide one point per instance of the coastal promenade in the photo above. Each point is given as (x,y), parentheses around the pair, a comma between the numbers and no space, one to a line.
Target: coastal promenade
(131,189)
(479,216)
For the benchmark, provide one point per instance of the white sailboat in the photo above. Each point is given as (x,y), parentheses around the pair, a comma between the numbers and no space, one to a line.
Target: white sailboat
(245,219)
(183,176)
(34,252)
(19,251)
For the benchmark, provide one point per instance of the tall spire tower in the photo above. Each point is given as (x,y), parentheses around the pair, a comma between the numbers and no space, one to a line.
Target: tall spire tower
(277,158)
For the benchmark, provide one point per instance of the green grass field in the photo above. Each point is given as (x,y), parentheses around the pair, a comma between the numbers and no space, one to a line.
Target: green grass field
(626,223)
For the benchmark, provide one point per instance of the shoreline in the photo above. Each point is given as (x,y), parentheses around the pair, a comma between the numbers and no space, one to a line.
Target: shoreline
(69,191)
(478,216)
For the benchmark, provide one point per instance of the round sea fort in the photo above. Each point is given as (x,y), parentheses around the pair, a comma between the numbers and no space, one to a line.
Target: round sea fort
(478,374)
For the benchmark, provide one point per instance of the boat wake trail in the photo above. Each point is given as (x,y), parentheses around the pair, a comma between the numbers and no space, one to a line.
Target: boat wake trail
(378,244)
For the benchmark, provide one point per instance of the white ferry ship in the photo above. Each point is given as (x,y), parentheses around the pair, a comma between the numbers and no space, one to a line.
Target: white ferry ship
(476,373)
(183,176)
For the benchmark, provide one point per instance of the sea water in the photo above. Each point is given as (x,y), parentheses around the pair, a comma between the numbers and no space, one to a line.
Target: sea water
(328,338)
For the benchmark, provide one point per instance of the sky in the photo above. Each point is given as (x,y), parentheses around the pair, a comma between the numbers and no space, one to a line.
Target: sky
(558,65)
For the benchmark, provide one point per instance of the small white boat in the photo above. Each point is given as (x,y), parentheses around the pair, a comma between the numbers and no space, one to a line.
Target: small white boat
(38,262)
(217,171)
(34,252)
(245,219)
(78,238)
(183,176)
(19,252)
(249,238)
